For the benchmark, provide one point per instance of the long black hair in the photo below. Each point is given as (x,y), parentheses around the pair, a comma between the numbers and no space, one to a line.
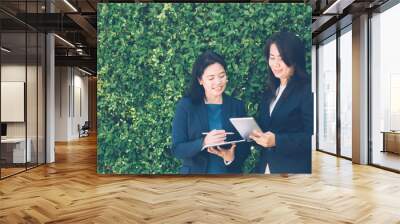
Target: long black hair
(207,58)
(292,52)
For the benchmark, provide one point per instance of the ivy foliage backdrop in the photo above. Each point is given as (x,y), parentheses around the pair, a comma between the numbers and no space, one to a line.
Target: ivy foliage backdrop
(145,57)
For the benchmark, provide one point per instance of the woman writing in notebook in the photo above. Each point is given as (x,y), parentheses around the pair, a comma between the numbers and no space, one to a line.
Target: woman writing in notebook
(286,109)
(202,118)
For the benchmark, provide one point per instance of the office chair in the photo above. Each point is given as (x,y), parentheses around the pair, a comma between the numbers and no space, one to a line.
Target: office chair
(84,130)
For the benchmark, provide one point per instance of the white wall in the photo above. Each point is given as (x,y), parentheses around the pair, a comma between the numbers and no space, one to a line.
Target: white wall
(80,84)
(17,73)
(11,73)
(62,81)
(70,83)
(12,101)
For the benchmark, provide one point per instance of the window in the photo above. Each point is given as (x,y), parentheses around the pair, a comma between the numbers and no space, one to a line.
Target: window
(385,89)
(346,92)
(327,95)
(22,68)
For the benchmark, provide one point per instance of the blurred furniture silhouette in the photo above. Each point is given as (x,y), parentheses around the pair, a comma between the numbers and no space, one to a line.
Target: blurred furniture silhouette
(13,151)
(391,141)
(84,130)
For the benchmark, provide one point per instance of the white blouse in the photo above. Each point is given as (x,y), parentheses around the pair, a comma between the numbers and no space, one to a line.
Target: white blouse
(278,93)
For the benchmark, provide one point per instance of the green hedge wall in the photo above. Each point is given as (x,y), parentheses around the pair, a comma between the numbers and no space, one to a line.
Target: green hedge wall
(145,56)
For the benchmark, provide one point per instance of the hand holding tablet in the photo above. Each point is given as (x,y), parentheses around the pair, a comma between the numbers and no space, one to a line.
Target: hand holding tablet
(244,125)
(217,138)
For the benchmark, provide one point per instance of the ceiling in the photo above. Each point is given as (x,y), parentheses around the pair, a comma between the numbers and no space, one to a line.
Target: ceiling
(74,22)
(332,15)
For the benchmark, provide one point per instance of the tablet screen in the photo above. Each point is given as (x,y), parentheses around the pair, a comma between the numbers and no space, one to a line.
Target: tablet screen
(245,125)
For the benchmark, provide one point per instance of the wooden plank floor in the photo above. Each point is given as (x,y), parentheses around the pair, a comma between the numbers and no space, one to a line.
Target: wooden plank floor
(70,191)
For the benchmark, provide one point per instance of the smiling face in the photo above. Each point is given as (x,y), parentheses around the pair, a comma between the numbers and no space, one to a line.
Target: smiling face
(277,65)
(214,80)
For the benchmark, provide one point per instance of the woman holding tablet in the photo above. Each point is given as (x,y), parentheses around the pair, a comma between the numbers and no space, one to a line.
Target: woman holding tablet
(202,118)
(286,109)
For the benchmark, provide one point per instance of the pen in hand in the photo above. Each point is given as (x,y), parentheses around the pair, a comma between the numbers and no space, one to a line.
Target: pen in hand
(227,133)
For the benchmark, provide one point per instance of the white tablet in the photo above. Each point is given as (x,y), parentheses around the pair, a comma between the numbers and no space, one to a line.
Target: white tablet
(245,125)
(222,143)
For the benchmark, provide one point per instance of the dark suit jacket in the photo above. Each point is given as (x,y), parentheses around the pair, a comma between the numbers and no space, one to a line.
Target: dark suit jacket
(292,123)
(190,121)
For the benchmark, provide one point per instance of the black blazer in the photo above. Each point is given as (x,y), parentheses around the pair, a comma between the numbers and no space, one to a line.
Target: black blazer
(188,124)
(292,123)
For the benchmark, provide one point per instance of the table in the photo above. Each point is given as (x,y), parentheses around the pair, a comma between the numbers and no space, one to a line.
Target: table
(13,150)
(391,141)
